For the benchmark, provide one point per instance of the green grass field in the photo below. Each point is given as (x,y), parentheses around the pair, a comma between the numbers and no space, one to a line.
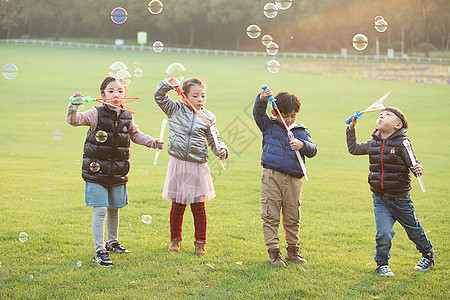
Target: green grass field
(43,192)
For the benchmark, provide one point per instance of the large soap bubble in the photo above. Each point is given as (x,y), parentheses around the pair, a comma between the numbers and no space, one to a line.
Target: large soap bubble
(174,74)
(270,10)
(360,42)
(253,31)
(381,25)
(283,4)
(119,15)
(272,48)
(10,71)
(155,7)
(273,66)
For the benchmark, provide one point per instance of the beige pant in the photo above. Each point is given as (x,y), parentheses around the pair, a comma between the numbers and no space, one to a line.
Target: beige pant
(280,192)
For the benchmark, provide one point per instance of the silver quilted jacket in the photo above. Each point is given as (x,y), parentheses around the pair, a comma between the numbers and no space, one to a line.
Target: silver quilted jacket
(188,132)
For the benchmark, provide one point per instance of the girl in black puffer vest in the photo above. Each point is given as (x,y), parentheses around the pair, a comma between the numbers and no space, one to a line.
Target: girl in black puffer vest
(106,163)
(390,182)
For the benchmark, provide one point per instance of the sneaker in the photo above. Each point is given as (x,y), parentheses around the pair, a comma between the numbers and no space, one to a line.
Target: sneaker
(425,262)
(275,257)
(101,258)
(384,271)
(116,247)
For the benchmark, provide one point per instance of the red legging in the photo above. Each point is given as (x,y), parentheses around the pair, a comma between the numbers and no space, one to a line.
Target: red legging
(176,219)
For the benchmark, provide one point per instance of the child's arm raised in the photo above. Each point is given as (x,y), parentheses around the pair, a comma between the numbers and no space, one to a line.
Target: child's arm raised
(87,118)
(163,100)
(259,110)
(353,147)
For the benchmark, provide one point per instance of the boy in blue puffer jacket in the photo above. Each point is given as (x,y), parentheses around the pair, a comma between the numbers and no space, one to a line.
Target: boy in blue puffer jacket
(281,185)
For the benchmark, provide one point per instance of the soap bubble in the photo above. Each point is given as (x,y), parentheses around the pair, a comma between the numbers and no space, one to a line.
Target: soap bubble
(138,73)
(270,10)
(119,15)
(31,277)
(266,39)
(272,48)
(10,71)
(23,237)
(378,18)
(253,31)
(381,25)
(283,4)
(57,135)
(137,65)
(155,7)
(94,167)
(360,42)
(158,46)
(273,66)
(123,78)
(116,67)
(78,104)
(146,219)
(79,263)
(101,136)
(174,74)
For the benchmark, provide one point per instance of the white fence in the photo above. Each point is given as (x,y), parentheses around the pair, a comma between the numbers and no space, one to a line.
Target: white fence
(299,55)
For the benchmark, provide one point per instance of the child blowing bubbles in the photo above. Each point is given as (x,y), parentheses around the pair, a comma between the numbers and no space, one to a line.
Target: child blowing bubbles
(281,185)
(188,179)
(390,183)
(106,163)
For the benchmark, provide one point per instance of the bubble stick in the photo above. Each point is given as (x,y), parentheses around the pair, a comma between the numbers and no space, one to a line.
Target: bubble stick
(376,106)
(272,100)
(409,148)
(161,136)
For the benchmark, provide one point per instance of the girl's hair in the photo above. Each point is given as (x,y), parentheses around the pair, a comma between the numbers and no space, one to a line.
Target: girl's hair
(287,102)
(187,84)
(399,115)
(105,83)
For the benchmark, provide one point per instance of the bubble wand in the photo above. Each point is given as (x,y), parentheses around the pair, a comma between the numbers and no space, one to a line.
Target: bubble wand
(376,106)
(175,84)
(161,136)
(409,148)
(82,100)
(272,100)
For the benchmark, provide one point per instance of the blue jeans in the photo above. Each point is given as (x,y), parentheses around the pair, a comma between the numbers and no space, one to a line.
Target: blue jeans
(387,211)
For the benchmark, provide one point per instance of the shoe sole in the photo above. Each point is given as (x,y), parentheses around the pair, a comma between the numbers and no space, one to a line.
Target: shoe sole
(102,266)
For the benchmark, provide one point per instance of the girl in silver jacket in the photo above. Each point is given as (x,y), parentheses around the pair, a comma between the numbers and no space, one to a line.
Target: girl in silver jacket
(188,179)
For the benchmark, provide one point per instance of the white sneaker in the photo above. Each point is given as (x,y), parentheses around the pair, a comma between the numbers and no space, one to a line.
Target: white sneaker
(385,271)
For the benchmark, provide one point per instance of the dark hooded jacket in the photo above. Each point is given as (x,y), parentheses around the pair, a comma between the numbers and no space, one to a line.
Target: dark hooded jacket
(389,162)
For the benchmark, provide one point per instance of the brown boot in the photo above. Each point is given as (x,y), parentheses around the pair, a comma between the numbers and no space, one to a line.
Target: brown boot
(200,247)
(292,255)
(275,257)
(175,245)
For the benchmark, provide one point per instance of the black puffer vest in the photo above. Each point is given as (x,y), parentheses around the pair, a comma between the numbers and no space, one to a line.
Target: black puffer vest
(106,158)
(389,172)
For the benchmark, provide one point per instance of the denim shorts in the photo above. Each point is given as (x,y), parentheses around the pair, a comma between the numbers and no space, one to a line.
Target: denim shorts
(113,197)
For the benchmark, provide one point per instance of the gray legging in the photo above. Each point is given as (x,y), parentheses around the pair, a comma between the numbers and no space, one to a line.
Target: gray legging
(98,226)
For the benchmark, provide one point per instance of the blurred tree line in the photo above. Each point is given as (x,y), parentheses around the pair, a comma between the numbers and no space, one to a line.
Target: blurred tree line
(308,25)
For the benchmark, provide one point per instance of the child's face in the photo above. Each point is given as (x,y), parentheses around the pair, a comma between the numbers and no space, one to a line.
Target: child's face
(197,96)
(289,118)
(388,122)
(115,91)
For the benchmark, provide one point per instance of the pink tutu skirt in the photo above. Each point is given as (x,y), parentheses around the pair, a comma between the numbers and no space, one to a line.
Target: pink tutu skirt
(188,182)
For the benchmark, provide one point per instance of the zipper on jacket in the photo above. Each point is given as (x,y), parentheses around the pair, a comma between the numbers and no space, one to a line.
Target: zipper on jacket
(381,161)
(189,137)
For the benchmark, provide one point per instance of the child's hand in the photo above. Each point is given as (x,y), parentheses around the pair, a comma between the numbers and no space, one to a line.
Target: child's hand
(352,123)
(77,103)
(159,143)
(265,94)
(296,144)
(222,154)
(417,169)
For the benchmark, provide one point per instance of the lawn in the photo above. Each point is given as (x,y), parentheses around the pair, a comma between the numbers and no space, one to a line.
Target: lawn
(43,192)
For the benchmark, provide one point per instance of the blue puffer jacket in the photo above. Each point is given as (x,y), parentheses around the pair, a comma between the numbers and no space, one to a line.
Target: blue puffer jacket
(277,153)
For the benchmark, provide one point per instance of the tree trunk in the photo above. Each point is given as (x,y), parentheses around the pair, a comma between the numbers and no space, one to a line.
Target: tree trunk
(238,40)
(191,36)
(427,33)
